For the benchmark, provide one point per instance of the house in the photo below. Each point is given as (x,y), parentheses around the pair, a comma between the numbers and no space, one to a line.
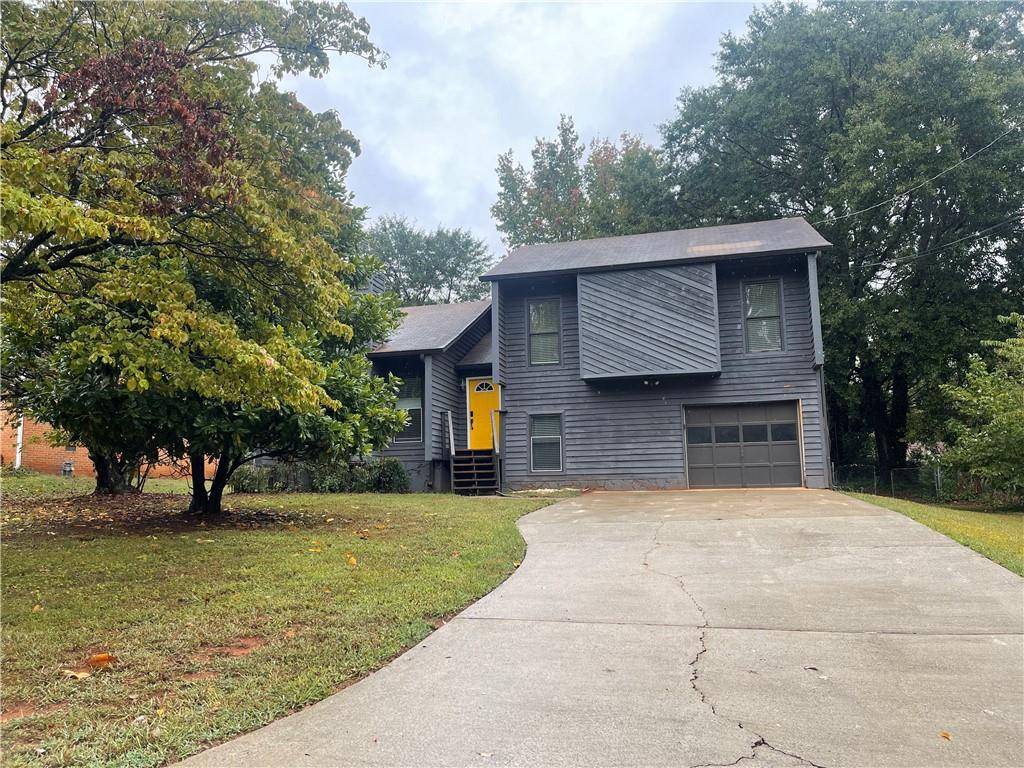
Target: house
(685,359)
(29,444)
(442,353)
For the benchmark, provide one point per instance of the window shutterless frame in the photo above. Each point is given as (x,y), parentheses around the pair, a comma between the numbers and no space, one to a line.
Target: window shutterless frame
(780,309)
(410,399)
(531,333)
(546,431)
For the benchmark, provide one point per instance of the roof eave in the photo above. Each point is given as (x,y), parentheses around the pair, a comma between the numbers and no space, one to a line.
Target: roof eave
(659,263)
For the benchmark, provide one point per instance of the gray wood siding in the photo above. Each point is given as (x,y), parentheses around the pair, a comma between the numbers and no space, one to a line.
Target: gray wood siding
(446,388)
(639,322)
(629,434)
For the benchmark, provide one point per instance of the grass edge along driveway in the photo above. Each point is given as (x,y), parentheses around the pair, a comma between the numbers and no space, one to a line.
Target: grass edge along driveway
(999,536)
(220,629)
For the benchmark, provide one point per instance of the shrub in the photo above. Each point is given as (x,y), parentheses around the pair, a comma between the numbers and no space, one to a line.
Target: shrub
(389,476)
(385,475)
(251,479)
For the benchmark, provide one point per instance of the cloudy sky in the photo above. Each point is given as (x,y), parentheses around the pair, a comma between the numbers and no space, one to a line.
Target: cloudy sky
(466,82)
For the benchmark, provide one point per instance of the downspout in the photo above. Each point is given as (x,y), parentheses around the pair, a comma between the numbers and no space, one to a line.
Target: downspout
(19,443)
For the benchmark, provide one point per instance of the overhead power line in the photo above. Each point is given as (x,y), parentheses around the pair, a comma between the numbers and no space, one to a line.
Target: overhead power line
(906,192)
(987,232)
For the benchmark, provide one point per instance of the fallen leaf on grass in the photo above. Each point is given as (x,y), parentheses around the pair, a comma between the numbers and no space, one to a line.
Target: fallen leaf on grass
(36,608)
(204,541)
(352,561)
(77,674)
(101,660)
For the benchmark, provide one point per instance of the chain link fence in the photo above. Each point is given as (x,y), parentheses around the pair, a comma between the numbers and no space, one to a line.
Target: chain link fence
(930,482)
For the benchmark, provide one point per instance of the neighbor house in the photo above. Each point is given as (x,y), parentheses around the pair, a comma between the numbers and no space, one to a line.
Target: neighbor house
(685,359)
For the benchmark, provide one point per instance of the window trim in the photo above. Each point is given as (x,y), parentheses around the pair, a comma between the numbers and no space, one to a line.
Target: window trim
(529,334)
(561,442)
(782,315)
(413,440)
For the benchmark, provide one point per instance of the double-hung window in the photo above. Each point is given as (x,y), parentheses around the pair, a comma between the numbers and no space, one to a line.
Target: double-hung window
(762,316)
(546,443)
(544,331)
(410,399)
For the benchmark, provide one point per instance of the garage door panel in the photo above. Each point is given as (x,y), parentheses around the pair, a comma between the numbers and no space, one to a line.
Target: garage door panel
(757,454)
(702,455)
(757,477)
(702,477)
(787,453)
(785,476)
(735,446)
(728,454)
(728,477)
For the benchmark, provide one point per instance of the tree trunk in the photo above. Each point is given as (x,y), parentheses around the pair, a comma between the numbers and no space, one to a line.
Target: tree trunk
(111,474)
(199,496)
(899,408)
(226,464)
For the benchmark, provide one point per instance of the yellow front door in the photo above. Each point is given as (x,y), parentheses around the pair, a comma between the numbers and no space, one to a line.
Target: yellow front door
(483,398)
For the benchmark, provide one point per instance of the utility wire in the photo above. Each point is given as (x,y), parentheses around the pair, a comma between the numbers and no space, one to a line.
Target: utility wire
(977,235)
(906,192)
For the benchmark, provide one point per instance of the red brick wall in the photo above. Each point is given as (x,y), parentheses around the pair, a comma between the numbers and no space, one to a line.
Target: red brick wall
(39,455)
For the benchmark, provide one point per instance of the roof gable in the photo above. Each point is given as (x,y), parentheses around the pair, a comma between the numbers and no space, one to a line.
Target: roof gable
(432,328)
(759,238)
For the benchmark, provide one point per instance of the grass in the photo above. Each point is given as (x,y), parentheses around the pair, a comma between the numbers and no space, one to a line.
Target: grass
(25,484)
(220,628)
(999,536)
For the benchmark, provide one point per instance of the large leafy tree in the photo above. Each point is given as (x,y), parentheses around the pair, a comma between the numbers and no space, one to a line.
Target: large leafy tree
(172,232)
(441,266)
(896,129)
(988,422)
(569,193)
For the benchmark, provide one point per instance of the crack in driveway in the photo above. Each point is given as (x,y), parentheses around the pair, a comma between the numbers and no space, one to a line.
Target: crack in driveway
(759,740)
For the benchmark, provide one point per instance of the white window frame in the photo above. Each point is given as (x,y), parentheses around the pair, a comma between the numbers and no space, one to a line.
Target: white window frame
(782,316)
(561,442)
(557,301)
(412,440)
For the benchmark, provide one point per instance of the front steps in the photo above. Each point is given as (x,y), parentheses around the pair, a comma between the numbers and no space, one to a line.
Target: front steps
(474,471)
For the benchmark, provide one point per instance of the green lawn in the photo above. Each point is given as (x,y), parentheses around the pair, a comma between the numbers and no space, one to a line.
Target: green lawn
(220,628)
(25,484)
(999,536)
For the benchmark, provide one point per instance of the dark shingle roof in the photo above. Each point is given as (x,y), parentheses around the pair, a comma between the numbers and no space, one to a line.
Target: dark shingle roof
(480,354)
(432,328)
(704,244)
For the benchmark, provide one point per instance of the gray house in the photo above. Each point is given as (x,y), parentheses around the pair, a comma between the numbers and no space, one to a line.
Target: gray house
(686,359)
(439,351)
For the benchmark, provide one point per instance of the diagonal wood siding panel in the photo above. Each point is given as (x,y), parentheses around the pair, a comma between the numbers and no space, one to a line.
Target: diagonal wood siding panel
(642,322)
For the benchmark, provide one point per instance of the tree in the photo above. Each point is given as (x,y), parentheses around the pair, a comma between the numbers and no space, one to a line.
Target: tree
(896,129)
(170,230)
(988,425)
(619,189)
(438,267)
(362,416)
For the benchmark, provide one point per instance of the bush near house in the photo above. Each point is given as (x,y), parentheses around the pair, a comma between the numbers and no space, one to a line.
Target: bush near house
(385,475)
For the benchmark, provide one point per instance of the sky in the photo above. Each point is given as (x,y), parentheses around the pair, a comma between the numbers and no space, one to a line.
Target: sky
(466,82)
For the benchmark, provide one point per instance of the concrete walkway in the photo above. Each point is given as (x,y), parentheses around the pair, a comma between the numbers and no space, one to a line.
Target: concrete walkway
(782,628)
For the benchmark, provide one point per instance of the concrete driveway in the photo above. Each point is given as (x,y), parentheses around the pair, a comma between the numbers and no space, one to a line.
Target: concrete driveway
(782,628)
